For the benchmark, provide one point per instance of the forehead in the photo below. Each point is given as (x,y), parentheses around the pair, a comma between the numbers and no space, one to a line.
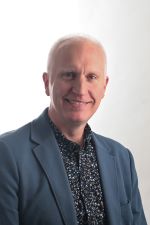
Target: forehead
(79,53)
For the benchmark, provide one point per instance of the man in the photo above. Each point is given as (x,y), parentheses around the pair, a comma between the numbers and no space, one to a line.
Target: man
(55,170)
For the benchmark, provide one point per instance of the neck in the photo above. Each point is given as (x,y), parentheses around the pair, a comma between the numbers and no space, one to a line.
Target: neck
(72,131)
(74,134)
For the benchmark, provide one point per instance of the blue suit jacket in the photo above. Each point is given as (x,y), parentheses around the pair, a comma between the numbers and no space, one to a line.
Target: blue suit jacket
(34,188)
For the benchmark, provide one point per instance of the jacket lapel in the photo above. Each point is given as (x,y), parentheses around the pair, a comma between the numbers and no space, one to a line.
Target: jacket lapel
(49,157)
(108,172)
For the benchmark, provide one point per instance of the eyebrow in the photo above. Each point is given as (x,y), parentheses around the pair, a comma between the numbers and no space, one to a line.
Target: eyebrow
(76,70)
(70,68)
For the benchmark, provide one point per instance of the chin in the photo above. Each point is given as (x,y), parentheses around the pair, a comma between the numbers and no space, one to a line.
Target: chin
(77,120)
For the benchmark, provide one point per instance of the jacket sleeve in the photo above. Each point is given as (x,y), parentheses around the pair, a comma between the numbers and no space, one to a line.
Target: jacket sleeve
(136,203)
(9,182)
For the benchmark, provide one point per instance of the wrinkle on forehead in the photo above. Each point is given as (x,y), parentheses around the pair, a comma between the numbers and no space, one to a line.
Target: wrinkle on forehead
(74,42)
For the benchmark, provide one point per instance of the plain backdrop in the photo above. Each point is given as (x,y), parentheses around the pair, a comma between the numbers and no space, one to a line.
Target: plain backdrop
(28,28)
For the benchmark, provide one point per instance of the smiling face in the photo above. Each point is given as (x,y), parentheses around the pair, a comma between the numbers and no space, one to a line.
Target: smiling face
(76,83)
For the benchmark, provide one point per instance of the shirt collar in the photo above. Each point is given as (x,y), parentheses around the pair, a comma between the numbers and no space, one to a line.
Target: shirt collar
(60,137)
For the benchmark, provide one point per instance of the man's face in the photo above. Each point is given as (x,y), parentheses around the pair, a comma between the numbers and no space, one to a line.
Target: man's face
(77,83)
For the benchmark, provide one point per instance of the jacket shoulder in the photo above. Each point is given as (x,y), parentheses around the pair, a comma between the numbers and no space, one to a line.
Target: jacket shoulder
(22,135)
(17,135)
(112,146)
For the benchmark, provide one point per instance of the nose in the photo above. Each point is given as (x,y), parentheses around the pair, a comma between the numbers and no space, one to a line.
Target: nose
(80,86)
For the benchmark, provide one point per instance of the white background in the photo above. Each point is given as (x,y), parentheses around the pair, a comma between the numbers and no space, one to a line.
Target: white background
(28,29)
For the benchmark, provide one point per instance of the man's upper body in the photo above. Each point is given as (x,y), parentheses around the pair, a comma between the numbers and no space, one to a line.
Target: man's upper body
(55,170)
(34,187)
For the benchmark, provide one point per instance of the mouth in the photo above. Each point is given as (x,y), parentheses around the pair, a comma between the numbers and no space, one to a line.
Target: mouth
(77,102)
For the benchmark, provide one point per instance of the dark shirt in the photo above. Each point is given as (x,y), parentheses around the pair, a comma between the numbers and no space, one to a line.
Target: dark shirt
(84,177)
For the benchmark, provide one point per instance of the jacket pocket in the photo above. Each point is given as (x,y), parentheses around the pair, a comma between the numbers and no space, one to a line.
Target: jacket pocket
(126,214)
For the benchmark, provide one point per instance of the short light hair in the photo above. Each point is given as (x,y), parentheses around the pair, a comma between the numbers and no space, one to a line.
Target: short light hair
(66,40)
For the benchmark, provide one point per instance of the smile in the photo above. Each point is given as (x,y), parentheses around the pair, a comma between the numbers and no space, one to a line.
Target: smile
(78,102)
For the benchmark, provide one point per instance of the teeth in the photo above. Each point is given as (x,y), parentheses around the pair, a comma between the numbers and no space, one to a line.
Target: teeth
(77,101)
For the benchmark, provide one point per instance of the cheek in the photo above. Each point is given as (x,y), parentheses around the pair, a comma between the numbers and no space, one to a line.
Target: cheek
(62,88)
(98,93)
(101,94)
(57,92)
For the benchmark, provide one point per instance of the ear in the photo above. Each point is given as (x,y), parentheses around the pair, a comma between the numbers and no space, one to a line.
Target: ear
(106,81)
(105,84)
(46,83)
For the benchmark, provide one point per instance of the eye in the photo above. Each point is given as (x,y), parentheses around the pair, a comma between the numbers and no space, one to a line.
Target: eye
(68,75)
(91,76)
